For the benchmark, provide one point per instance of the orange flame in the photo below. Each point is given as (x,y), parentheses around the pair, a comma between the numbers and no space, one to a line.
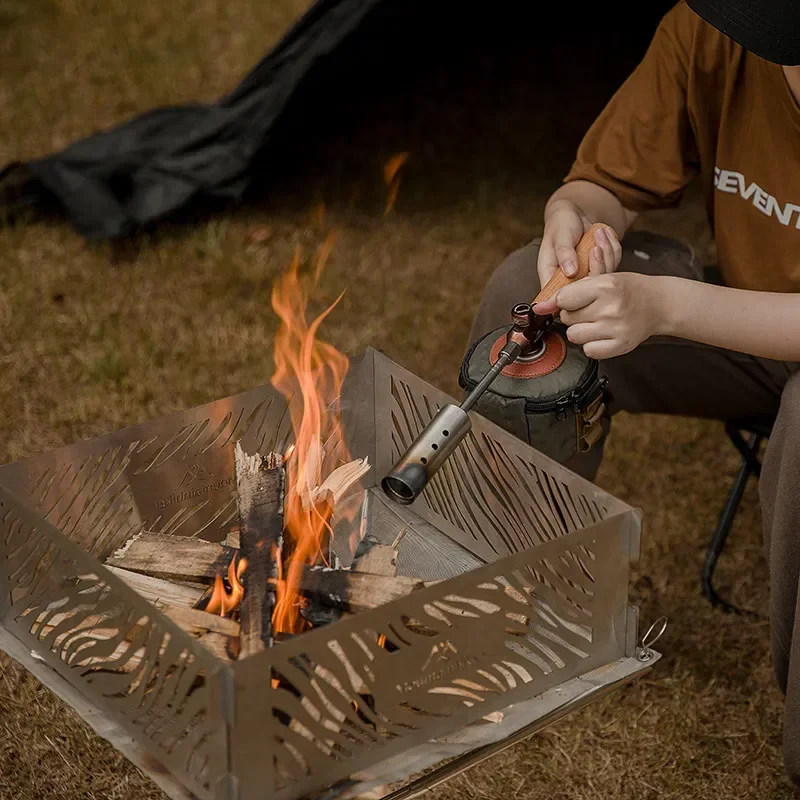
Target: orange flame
(222,602)
(315,371)
(391,175)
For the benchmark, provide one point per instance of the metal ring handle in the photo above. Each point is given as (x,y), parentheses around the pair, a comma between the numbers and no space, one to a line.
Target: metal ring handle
(650,637)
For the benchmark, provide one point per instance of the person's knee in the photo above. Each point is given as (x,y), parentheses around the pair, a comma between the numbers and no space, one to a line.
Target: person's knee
(790,402)
(780,458)
(649,253)
(518,270)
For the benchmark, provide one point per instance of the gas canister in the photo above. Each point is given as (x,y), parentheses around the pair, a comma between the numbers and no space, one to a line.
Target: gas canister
(553,398)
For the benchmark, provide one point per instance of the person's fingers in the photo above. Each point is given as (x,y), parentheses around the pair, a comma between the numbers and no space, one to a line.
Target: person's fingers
(601,349)
(564,241)
(585,314)
(616,246)
(580,293)
(547,263)
(603,241)
(585,332)
(546,307)
(597,264)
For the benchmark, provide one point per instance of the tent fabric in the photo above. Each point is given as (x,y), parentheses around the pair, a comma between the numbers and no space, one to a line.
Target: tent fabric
(167,160)
(112,183)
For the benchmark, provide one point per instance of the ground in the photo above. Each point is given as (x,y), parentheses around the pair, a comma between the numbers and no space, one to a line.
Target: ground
(93,338)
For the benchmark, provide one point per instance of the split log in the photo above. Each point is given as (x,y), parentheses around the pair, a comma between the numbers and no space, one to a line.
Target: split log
(318,615)
(173,558)
(329,591)
(159,592)
(376,558)
(259,489)
(354,591)
(340,481)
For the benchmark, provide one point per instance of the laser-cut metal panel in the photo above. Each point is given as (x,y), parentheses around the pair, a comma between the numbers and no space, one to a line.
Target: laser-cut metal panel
(122,654)
(469,652)
(560,542)
(495,495)
(173,474)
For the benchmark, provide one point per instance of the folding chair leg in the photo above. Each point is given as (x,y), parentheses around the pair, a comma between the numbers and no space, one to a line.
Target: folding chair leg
(725,523)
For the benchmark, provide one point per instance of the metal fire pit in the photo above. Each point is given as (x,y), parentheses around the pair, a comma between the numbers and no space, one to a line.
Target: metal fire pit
(498,514)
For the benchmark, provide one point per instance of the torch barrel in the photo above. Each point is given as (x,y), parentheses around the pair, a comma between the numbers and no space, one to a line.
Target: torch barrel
(428,452)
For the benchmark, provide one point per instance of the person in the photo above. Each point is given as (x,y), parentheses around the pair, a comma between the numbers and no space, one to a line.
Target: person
(716,98)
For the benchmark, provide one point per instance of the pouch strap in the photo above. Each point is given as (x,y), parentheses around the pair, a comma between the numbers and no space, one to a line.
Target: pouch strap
(590,424)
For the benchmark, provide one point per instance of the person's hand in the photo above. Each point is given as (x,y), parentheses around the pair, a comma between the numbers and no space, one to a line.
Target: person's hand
(564,226)
(610,315)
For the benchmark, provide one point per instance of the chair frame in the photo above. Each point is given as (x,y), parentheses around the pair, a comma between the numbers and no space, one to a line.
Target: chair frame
(757,430)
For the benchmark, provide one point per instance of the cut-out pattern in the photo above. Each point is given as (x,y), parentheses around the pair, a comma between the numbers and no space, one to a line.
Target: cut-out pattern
(549,605)
(441,657)
(172,475)
(105,640)
(501,502)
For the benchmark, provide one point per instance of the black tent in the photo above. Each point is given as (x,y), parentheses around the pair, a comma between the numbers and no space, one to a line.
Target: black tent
(113,183)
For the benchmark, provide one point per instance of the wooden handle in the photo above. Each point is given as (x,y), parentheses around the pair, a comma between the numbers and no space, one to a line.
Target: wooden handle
(583,248)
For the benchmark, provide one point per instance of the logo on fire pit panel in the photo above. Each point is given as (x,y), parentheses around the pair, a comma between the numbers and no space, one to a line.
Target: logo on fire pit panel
(195,472)
(444,651)
(197,482)
(183,483)
(444,661)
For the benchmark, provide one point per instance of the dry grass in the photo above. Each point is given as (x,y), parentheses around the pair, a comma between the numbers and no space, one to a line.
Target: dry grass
(92,340)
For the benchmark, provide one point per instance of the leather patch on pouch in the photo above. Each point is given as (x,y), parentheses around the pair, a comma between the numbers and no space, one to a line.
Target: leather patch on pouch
(555,351)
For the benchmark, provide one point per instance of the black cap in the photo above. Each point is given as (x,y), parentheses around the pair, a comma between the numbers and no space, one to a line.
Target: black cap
(768,28)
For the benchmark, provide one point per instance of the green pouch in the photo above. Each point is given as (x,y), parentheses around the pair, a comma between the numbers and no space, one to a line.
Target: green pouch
(559,413)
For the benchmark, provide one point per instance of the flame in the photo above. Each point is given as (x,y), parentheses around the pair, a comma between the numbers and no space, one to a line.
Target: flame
(324,254)
(222,602)
(313,371)
(391,175)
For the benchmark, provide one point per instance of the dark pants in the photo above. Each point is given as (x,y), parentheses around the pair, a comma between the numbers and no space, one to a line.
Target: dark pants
(722,385)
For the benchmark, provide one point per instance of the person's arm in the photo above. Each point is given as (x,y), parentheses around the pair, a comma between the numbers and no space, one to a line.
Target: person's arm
(638,155)
(763,324)
(595,202)
(610,315)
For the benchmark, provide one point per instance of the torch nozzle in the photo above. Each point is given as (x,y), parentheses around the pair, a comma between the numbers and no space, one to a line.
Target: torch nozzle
(431,448)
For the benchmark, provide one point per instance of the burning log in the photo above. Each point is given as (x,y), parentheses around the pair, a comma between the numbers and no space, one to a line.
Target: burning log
(259,487)
(355,591)
(348,590)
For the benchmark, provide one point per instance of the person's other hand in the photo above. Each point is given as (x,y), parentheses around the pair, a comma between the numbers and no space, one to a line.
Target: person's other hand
(565,224)
(610,315)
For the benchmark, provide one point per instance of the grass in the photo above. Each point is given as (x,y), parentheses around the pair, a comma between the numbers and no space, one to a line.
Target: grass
(93,338)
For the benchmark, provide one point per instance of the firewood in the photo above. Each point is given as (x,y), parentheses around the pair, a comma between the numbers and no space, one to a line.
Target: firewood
(318,615)
(340,480)
(157,591)
(373,557)
(259,489)
(354,591)
(176,558)
(200,622)
(232,540)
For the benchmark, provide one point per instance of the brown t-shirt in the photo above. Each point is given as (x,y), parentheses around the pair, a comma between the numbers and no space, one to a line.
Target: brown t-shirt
(699,104)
